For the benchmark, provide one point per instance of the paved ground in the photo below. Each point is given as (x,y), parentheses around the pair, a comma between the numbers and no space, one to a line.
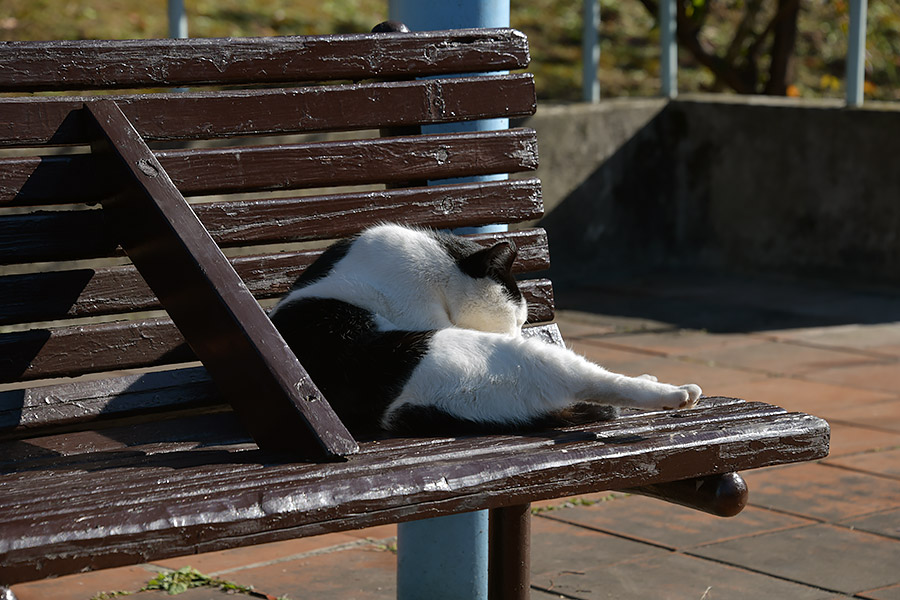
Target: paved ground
(818,530)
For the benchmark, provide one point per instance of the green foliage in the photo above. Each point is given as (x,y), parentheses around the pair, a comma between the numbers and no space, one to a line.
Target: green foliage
(180,581)
(390,546)
(108,595)
(572,502)
(185,578)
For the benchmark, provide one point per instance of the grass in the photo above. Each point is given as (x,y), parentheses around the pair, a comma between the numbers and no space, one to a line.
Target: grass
(629,63)
(182,580)
(572,502)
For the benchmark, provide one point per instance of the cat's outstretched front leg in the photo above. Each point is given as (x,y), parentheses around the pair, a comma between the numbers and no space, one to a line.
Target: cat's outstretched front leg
(492,378)
(582,380)
(643,392)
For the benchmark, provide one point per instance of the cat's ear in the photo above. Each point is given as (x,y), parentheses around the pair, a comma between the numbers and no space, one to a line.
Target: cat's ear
(498,259)
(503,255)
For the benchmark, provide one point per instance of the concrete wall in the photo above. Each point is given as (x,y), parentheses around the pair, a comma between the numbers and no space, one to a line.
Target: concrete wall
(753,183)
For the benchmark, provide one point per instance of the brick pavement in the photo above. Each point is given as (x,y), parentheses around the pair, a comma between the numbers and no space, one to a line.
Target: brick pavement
(825,530)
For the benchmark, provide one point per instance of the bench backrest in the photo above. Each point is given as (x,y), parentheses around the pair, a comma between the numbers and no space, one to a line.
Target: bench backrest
(73,305)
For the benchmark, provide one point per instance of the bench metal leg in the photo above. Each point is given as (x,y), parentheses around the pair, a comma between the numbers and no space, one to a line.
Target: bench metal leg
(509,570)
(459,537)
(444,558)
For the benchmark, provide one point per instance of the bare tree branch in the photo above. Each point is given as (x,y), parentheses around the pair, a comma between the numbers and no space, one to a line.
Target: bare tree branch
(689,37)
(736,69)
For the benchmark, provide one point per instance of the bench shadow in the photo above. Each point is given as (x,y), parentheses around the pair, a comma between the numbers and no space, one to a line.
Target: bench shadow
(636,239)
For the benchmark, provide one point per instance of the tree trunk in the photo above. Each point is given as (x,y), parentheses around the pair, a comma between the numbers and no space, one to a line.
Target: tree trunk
(785,36)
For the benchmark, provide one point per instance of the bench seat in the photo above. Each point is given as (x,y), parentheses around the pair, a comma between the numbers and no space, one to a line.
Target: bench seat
(149,409)
(141,492)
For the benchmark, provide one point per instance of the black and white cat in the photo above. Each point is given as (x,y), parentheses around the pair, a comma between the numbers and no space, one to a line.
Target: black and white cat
(412,331)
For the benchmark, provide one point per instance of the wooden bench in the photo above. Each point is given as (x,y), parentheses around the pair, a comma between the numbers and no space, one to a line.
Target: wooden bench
(117,447)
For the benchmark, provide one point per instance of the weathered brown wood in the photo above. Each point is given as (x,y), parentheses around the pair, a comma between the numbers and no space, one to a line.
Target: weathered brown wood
(109,64)
(722,495)
(80,401)
(270,500)
(60,235)
(328,217)
(115,396)
(169,441)
(71,351)
(89,445)
(82,349)
(36,180)
(62,179)
(86,292)
(509,553)
(216,114)
(246,357)
(384,160)
(52,236)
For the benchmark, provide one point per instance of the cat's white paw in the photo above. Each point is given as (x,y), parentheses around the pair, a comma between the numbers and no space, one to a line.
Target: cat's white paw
(694,393)
(684,396)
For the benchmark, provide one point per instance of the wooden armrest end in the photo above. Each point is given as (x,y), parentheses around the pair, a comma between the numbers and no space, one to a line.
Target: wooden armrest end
(722,495)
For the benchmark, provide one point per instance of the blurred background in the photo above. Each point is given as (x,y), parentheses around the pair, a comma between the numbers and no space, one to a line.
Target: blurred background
(776,47)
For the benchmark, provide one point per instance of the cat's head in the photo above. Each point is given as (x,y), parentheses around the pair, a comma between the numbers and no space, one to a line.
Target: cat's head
(484,294)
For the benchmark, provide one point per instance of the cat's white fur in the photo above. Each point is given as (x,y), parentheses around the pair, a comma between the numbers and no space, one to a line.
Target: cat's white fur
(478,366)
(408,280)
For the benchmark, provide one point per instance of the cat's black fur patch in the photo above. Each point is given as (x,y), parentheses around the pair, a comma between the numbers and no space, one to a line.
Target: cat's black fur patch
(359,369)
(323,265)
(457,247)
(476,261)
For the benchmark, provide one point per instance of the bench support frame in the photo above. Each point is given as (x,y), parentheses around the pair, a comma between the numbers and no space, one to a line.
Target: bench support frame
(222,321)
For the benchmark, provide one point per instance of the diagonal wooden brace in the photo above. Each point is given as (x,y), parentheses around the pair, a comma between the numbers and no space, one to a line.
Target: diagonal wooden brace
(221,320)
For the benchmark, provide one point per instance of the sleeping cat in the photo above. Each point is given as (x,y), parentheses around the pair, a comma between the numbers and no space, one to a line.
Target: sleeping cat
(413,331)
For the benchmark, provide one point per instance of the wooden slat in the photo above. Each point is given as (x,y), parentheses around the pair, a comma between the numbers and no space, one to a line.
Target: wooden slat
(81,178)
(55,236)
(90,510)
(87,445)
(37,180)
(203,115)
(71,351)
(80,401)
(458,205)
(70,235)
(539,295)
(86,400)
(83,349)
(379,160)
(246,356)
(108,64)
(92,292)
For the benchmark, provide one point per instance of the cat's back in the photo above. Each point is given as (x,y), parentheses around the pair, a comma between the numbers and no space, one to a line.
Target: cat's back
(395,273)
(339,321)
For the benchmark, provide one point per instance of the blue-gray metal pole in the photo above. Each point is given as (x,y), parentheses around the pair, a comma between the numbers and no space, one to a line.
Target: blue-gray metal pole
(446,558)
(856,53)
(178,23)
(443,558)
(590,51)
(668,60)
